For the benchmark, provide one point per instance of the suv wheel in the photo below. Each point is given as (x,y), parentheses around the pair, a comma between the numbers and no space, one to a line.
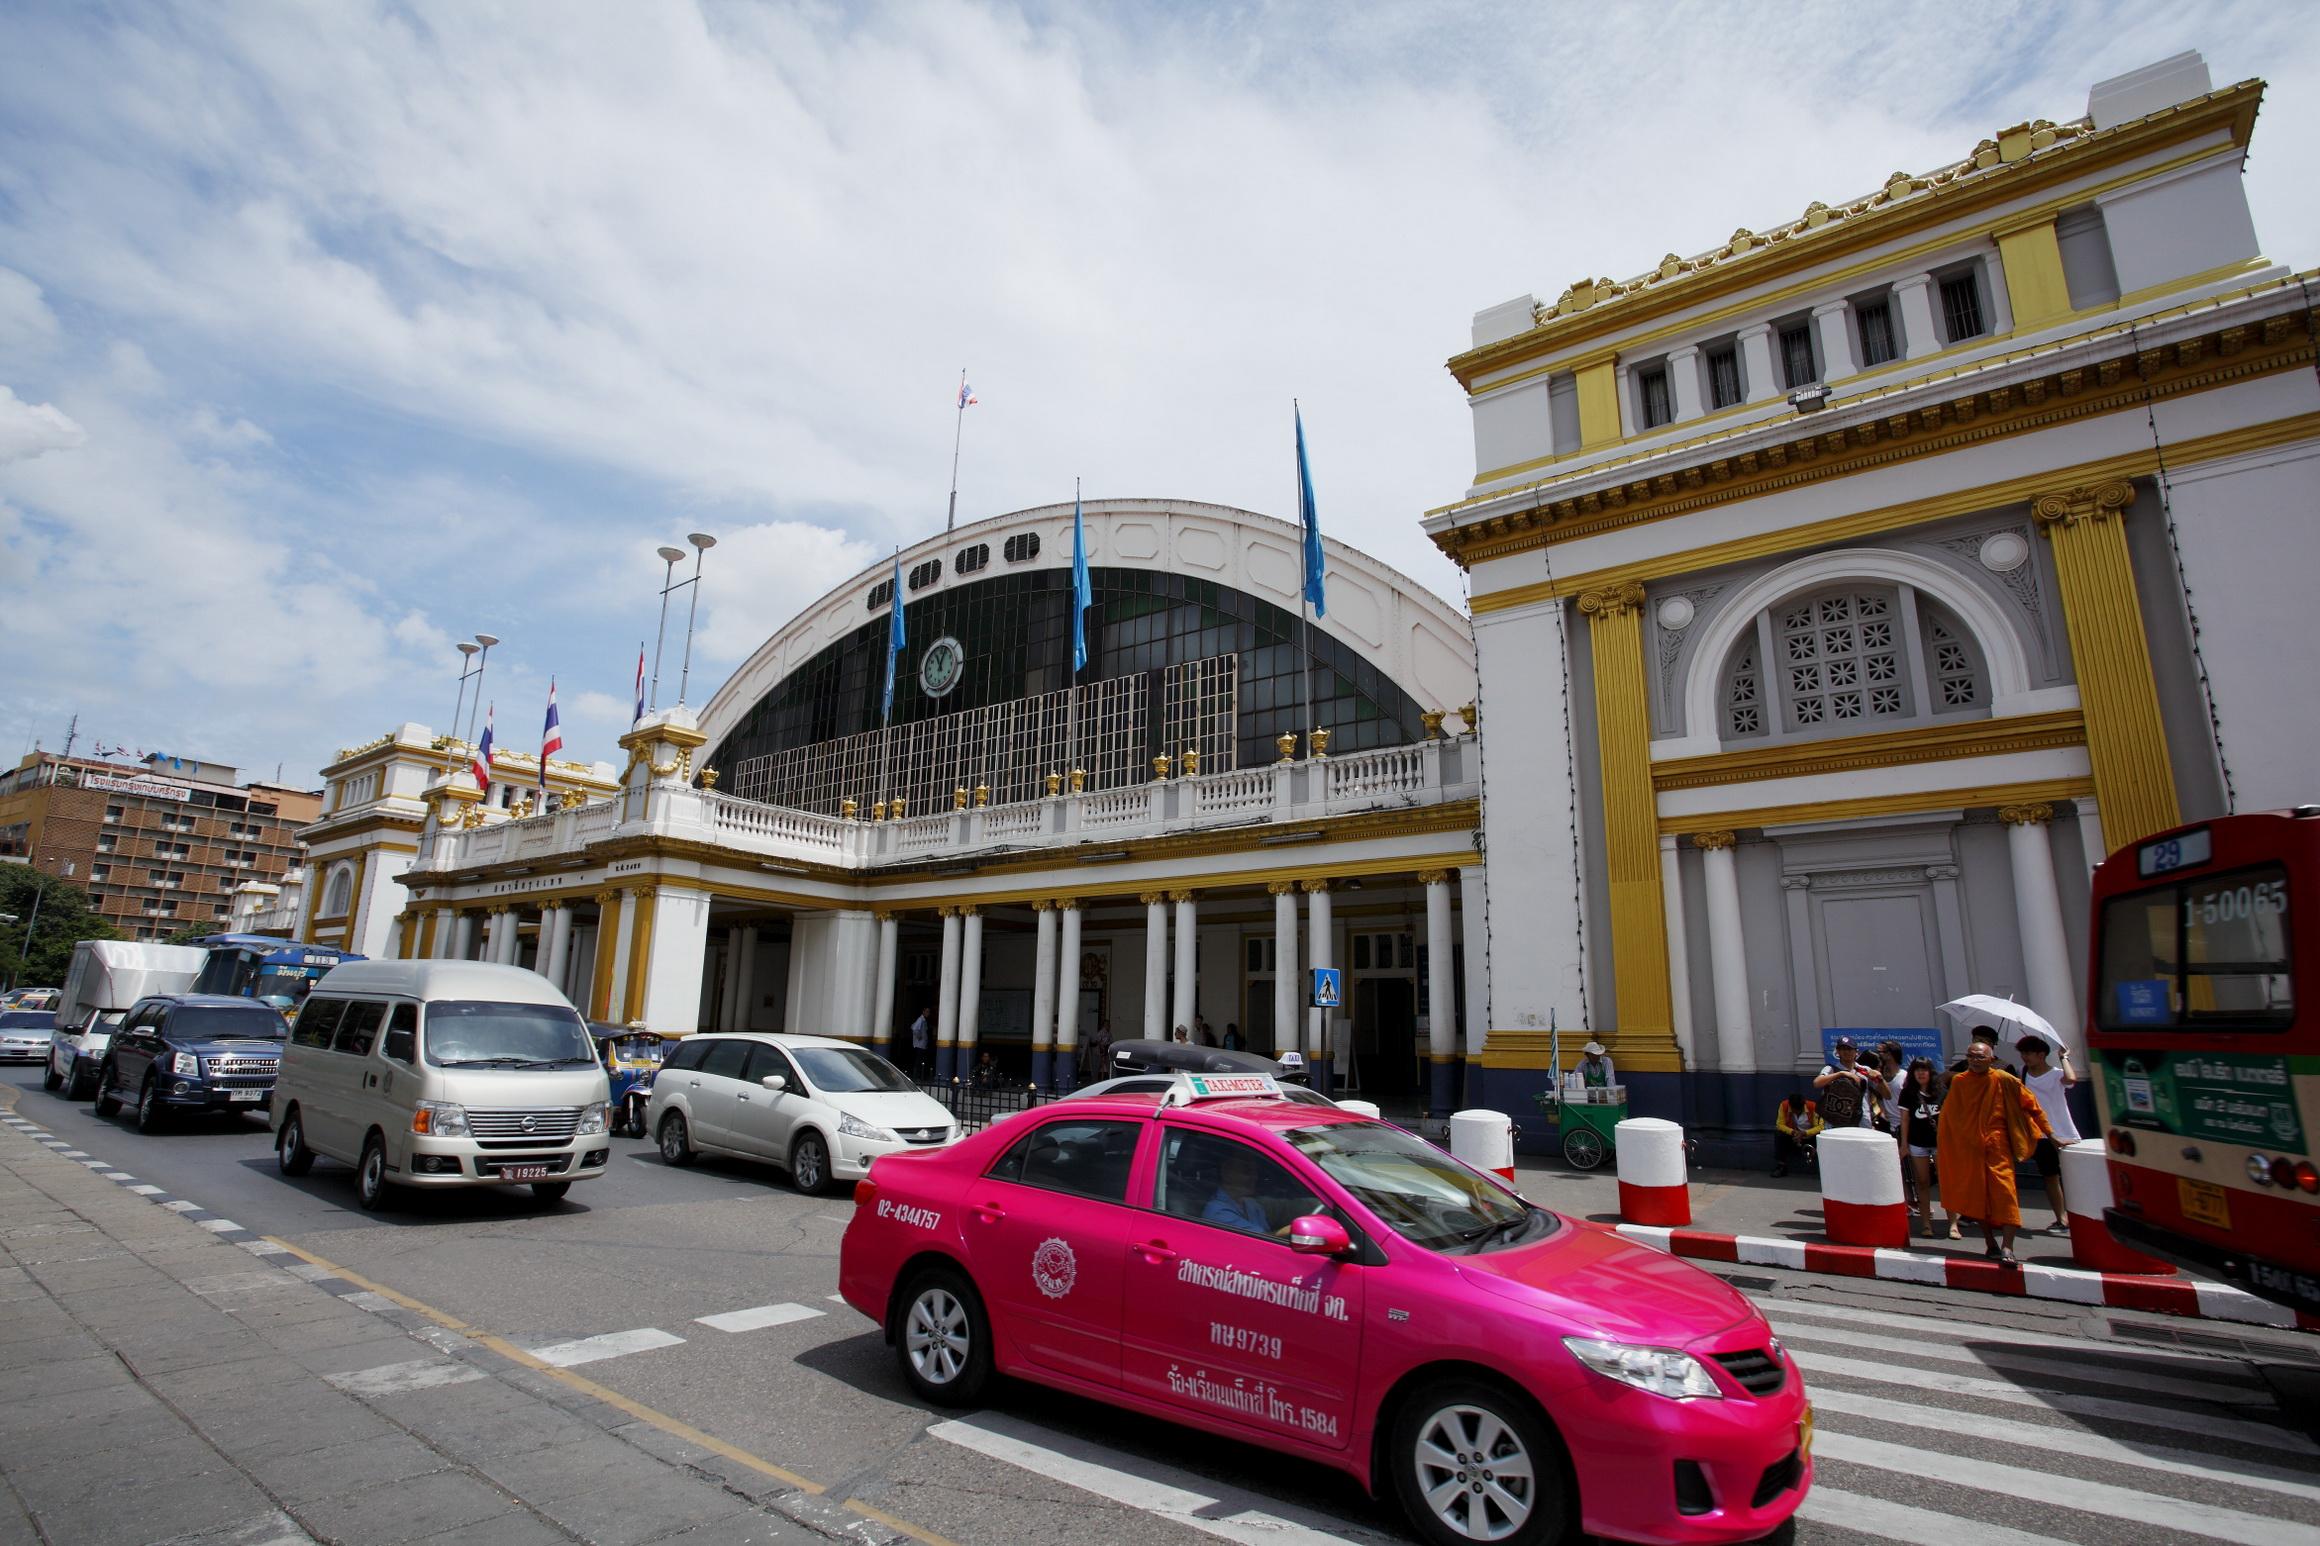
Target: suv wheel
(107,1104)
(49,1077)
(290,1151)
(676,1143)
(370,1177)
(1471,1464)
(943,1340)
(149,1110)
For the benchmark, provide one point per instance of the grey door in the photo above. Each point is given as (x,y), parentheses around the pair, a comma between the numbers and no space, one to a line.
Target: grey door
(1877,954)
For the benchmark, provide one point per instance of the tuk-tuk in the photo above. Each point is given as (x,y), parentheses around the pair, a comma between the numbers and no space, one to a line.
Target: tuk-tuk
(631,1056)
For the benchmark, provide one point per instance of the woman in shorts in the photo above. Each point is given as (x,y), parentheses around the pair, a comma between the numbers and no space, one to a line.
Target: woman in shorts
(1920,1105)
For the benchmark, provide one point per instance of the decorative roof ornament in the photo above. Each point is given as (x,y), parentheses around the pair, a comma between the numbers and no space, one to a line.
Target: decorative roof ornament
(1816,215)
(1743,241)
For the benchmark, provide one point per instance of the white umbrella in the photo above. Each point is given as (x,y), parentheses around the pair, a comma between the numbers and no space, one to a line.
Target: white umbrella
(2013,1021)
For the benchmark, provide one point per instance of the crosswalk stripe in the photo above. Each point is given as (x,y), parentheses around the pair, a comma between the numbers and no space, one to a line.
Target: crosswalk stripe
(1878,1320)
(757,1319)
(612,1344)
(2084,1373)
(1899,1522)
(2103,1408)
(2037,1438)
(2225,1524)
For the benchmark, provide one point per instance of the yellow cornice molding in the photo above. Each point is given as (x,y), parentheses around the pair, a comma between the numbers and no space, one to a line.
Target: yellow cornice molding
(1888,749)
(1970,797)
(1977,415)
(1915,512)
(1752,259)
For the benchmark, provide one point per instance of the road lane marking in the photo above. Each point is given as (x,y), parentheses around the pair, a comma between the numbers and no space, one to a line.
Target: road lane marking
(2002,1358)
(2035,1438)
(1899,1522)
(1779,1310)
(612,1344)
(836,1298)
(2102,1408)
(2049,1486)
(755,1319)
(395,1378)
(1045,1454)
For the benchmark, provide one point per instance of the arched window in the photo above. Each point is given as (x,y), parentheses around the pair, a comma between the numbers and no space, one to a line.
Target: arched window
(339,899)
(1850,658)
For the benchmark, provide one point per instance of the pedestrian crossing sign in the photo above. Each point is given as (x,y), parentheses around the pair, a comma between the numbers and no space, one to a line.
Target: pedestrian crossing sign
(1325,987)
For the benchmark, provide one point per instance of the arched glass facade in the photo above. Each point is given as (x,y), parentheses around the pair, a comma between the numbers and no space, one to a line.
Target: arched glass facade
(1014,633)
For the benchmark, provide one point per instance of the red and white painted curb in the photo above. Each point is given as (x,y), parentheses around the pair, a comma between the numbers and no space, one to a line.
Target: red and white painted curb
(2111,1290)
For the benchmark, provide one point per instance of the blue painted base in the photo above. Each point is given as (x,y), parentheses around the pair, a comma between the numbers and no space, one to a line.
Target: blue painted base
(1728,1117)
(1322,1073)
(1444,1086)
(946,1063)
(1043,1069)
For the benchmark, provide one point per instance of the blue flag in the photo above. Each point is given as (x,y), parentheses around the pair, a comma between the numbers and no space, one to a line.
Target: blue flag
(1082,592)
(1310,518)
(894,636)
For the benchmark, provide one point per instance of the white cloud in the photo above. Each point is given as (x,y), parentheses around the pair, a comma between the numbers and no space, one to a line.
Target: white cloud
(27,326)
(28,429)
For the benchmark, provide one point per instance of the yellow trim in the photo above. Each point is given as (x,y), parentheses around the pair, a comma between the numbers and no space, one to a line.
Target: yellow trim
(607,944)
(1630,838)
(354,899)
(1969,797)
(2035,286)
(640,952)
(1530,1050)
(423,937)
(1885,518)
(1598,403)
(2126,740)
(2210,276)
(1892,748)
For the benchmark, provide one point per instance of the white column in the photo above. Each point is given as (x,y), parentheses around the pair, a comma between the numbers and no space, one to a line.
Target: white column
(1836,334)
(1441,962)
(882,989)
(446,943)
(2038,914)
(1155,965)
(495,931)
(1187,959)
(1474,917)
(1762,385)
(970,984)
(464,947)
(1321,940)
(746,994)
(555,942)
(1067,995)
(2090,834)
(729,990)
(1285,974)
(946,1028)
(1683,368)
(1671,892)
(1727,954)
(1043,980)
(1914,297)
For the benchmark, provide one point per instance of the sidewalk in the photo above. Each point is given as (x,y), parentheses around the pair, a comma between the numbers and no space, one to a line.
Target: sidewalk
(168,1377)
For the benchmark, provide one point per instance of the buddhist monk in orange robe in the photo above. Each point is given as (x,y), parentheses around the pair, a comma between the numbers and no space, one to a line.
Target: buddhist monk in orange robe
(1990,1122)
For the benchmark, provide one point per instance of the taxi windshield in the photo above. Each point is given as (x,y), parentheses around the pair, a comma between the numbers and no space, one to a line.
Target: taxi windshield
(1419,1192)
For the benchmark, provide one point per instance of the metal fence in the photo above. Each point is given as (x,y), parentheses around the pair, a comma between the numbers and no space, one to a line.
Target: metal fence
(978,1106)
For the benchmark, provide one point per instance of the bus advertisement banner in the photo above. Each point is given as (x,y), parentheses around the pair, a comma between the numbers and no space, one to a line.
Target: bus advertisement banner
(2220,1097)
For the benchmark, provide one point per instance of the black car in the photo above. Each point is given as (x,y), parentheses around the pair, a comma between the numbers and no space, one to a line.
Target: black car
(192,1052)
(1143,1057)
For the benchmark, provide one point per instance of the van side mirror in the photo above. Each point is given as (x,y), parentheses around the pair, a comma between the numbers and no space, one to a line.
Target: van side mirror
(403,1046)
(775,1082)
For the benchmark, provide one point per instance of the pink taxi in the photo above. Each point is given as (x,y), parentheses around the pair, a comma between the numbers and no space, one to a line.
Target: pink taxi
(1328,1285)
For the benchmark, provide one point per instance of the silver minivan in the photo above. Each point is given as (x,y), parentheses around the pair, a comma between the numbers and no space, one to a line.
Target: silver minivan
(441,1073)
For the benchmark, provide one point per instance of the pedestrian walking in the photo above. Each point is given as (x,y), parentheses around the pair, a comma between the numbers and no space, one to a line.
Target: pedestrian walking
(921,1030)
(2050,1083)
(1848,1088)
(1919,1131)
(1794,1127)
(1989,1123)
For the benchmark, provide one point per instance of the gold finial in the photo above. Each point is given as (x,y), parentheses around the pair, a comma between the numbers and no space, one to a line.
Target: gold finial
(708,778)
(1472,715)
(959,798)
(878,810)
(1079,780)
(1432,720)
(1319,742)
(1054,785)
(1160,766)
(847,808)
(1192,762)
(982,794)
(1287,742)
(900,805)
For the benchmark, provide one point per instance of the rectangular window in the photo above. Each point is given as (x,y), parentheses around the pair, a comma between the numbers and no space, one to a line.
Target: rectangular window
(1876,320)
(112,813)
(1652,392)
(106,844)
(1796,356)
(99,872)
(2205,954)
(1961,307)
(1723,377)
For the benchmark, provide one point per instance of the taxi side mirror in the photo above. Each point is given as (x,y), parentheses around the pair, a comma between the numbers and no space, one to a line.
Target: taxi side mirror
(775,1082)
(1317,1234)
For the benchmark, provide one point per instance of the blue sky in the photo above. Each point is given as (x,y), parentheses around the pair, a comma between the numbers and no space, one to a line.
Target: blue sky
(329,334)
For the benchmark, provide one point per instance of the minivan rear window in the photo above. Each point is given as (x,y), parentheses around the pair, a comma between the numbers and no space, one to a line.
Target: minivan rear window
(467,1033)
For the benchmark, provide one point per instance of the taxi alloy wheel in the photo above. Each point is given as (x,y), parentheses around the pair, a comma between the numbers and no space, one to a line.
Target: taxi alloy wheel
(1473,1465)
(945,1339)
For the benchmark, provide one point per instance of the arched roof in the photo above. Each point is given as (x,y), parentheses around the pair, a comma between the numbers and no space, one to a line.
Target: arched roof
(1405,630)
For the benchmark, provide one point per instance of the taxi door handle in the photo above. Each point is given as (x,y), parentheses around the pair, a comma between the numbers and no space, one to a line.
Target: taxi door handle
(989,1212)
(1153,1251)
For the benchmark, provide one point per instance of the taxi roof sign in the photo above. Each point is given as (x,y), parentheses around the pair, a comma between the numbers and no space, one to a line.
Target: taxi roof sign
(1190,1087)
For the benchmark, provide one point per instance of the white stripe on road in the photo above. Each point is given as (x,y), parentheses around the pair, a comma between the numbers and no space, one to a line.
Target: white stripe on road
(1967,1329)
(1065,1460)
(2048,1486)
(613,1344)
(2103,1408)
(1899,1522)
(762,1316)
(2218,1392)
(395,1378)
(837,1298)
(2037,1438)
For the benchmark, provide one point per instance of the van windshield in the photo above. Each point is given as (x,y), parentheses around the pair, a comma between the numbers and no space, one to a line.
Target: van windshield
(464,1033)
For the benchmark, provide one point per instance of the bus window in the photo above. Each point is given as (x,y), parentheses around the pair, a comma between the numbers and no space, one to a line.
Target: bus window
(2207,953)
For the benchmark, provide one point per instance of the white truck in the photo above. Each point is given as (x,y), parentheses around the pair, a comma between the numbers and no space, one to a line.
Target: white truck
(106,978)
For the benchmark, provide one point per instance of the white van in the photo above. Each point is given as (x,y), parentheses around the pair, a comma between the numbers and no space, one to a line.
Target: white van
(441,1073)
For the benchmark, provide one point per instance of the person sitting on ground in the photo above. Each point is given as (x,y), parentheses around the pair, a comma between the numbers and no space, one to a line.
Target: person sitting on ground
(2049,1084)
(1848,1088)
(986,1071)
(1989,1123)
(1919,1132)
(1794,1128)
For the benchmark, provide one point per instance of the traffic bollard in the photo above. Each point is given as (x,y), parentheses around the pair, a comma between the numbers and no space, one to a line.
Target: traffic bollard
(1653,1188)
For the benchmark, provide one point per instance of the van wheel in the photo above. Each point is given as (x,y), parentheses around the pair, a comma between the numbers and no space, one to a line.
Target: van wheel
(676,1143)
(107,1104)
(809,1165)
(76,1080)
(149,1111)
(49,1077)
(1471,1464)
(550,1193)
(290,1151)
(370,1177)
(944,1340)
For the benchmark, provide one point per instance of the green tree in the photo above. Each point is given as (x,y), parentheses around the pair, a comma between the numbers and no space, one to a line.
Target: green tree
(61,920)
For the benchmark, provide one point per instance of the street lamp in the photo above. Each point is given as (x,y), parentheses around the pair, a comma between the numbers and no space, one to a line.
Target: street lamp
(467,649)
(702,542)
(670,558)
(486,640)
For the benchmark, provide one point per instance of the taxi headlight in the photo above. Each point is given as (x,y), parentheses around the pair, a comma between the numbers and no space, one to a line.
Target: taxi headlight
(439,1118)
(855,1127)
(592,1118)
(1661,1370)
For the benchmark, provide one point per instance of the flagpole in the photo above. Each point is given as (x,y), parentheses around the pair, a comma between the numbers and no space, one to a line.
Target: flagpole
(1304,592)
(886,725)
(958,431)
(1071,703)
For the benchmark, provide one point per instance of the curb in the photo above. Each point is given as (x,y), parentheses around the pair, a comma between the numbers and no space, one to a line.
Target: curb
(2111,1290)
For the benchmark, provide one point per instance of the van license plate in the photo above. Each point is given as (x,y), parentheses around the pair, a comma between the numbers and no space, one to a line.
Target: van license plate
(245,1095)
(2204,1202)
(523,1172)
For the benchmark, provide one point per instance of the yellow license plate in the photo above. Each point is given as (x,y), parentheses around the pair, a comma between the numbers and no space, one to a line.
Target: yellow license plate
(1805,1432)
(2204,1202)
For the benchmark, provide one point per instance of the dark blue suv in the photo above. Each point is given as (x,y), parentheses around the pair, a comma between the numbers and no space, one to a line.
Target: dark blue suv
(192,1052)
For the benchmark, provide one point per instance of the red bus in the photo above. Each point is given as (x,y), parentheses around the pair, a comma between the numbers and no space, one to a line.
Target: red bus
(2209,1069)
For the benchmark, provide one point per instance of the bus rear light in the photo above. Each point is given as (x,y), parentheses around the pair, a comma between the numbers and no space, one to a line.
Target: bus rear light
(2307,1177)
(2284,1172)
(2261,1170)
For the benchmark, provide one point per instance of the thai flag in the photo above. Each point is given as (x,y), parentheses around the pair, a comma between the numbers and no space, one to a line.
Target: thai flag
(481,767)
(639,684)
(967,397)
(551,736)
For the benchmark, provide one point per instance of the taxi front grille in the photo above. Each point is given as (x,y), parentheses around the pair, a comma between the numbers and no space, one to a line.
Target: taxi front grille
(525,1124)
(1759,1373)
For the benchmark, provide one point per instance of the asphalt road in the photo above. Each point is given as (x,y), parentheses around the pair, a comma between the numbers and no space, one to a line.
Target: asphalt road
(1941,1415)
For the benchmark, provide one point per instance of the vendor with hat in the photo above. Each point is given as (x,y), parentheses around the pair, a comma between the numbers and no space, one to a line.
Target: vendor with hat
(1595,1068)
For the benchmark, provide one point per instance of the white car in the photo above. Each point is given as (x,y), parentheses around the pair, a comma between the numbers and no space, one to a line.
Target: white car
(820,1108)
(76,1053)
(24,1034)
